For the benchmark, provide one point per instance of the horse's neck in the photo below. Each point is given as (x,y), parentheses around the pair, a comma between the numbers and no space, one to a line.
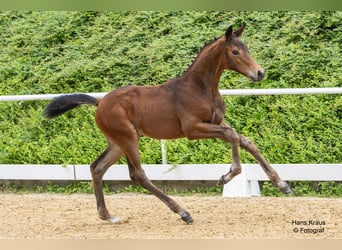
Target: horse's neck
(206,70)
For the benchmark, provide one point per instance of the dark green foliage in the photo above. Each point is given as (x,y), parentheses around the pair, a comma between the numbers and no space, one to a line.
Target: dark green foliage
(304,188)
(69,52)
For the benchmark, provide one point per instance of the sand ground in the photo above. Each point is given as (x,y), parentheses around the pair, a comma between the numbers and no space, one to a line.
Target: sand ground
(55,216)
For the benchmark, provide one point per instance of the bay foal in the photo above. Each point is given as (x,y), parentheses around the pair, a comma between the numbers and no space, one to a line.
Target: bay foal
(186,106)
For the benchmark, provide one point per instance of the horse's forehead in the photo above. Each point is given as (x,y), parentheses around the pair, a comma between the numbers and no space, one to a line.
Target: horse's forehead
(236,42)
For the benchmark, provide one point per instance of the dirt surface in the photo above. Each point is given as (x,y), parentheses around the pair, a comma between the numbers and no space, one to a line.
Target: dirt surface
(46,216)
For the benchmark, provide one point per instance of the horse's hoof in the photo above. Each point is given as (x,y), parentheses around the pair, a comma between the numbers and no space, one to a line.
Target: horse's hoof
(114,220)
(186,217)
(285,188)
(220,182)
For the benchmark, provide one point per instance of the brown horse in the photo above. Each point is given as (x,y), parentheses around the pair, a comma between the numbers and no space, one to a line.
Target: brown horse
(186,106)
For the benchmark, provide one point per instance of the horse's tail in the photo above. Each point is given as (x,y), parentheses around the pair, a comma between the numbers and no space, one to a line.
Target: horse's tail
(64,103)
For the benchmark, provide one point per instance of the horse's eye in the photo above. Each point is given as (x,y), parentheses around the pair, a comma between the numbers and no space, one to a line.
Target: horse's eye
(235,52)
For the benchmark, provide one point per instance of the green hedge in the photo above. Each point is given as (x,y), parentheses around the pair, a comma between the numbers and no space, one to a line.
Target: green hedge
(68,52)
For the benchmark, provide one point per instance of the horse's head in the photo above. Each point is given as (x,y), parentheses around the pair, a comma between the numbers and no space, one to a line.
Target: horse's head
(238,58)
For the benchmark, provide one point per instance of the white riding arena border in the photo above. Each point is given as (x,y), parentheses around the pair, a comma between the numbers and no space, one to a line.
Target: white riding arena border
(243,185)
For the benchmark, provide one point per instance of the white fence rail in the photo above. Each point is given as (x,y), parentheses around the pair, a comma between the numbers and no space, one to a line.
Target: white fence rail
(245,184)
(232,92)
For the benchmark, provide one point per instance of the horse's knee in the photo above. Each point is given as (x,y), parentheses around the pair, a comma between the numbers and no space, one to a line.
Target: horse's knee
(137,175)
(248,145)
(132,176)
(96,171)
(231,136)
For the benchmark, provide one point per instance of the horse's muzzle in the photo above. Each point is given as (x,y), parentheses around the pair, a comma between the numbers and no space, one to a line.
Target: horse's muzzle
(260,75)
(257,76)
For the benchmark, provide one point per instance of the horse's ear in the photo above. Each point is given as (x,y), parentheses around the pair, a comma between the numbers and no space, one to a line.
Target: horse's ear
(239,31)
(229,32)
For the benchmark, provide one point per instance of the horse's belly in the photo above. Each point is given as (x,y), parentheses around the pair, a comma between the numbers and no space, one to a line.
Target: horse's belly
(161,128)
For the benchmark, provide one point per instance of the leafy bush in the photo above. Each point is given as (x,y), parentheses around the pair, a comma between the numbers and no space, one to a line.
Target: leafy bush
(304,188)
(68,52)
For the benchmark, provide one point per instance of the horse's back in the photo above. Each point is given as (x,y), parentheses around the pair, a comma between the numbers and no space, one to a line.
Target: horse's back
(150,109)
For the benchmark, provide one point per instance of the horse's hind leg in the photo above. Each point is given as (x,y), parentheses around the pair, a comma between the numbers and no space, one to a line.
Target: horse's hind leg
(250,147)
(137,174)
(98,169)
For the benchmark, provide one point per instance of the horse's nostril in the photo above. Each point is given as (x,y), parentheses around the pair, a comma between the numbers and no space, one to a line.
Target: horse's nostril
(260,75)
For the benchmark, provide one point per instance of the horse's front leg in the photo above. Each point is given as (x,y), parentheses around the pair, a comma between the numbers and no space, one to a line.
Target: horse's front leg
(224,132)
(250,147)
(232,137)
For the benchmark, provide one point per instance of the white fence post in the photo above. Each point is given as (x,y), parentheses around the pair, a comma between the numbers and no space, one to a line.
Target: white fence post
(239,186)
(163,151)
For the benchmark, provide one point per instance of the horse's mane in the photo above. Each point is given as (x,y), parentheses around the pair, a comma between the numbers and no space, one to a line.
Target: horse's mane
(200,51)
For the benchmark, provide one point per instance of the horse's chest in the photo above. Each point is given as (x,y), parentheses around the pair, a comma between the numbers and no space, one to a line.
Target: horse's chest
(213,113)
(218,114)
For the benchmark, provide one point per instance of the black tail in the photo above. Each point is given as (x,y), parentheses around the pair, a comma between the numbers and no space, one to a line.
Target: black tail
(65,103)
